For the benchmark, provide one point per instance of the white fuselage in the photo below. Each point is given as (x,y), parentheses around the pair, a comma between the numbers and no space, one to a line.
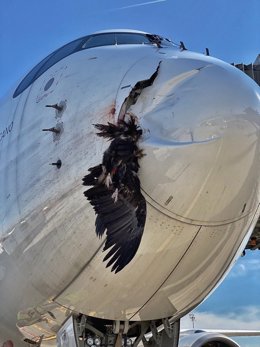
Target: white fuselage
(200,178)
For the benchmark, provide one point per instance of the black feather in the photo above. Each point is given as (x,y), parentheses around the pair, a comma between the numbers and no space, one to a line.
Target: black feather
(116,195)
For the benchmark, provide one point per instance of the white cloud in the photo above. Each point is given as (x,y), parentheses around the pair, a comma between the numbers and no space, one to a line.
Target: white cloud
(239,271)
(248,318)
(253,264)
(245,267)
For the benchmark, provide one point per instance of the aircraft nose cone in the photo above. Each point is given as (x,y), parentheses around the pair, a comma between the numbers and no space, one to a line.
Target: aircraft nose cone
(201,121)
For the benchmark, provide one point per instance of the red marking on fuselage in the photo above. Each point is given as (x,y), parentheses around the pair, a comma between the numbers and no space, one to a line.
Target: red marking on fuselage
(108,114)
(112,111)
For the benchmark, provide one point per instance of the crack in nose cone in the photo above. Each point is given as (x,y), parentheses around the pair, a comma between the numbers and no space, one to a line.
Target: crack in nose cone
(201,120)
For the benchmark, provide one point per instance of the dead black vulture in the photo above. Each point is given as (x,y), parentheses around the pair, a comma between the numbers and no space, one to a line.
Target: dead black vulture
(116,196)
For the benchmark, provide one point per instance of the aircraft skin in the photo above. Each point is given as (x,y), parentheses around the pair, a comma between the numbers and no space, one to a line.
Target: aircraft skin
(200,178)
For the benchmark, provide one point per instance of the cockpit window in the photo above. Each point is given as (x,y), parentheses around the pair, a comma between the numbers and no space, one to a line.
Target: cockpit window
(131,39)
(100,40)
(46,63)
(60,54)
(91,41)
(30,77)
(109,39)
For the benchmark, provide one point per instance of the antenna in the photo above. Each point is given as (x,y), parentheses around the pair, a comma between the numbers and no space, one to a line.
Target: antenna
(182,46)
(192,317)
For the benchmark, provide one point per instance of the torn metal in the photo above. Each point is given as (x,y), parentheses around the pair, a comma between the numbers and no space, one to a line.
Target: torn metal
(155,39)
(136,92)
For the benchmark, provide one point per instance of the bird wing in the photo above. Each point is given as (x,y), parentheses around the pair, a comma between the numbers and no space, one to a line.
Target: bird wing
(123,220)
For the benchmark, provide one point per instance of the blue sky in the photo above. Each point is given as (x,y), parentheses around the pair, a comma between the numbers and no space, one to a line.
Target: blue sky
(31,29)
